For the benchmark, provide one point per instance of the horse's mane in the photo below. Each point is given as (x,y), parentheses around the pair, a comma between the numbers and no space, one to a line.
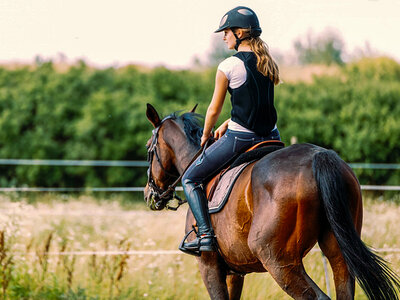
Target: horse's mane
(191,125)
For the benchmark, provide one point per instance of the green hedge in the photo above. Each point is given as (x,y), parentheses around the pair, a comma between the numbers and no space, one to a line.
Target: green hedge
(87,113)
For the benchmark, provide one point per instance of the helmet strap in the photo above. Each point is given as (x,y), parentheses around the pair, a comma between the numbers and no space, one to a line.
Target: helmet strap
(238,40)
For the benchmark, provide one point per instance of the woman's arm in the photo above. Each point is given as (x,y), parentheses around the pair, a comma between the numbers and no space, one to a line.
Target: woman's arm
(215,107)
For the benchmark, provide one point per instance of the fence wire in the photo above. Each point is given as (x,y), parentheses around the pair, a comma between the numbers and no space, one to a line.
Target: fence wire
(139,163)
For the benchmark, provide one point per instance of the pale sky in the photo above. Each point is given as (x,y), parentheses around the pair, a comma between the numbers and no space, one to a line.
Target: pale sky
(172,32)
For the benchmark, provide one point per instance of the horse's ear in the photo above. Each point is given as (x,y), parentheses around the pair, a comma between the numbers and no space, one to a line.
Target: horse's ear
(194,108)
(152,115)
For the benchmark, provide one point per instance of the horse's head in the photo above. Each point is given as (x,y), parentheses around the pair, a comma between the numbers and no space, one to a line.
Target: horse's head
(163,162)
(161,171)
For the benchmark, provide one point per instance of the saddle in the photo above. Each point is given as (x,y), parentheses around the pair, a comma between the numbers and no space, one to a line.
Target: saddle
(220,187)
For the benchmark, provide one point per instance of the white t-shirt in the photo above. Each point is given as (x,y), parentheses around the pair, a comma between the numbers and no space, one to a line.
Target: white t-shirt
(234,70)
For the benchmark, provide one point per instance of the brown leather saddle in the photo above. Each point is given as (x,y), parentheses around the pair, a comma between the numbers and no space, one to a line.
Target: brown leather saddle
(221,185)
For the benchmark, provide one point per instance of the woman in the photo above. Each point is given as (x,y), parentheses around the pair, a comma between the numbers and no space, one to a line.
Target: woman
(249,76)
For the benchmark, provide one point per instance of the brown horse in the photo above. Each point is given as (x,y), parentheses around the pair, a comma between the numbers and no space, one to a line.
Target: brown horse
(280,207)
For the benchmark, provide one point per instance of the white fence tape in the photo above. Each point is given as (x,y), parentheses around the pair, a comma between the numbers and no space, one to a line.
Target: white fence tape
(380,187)
(141,189)
(63,162)
(151,252)
(89,189)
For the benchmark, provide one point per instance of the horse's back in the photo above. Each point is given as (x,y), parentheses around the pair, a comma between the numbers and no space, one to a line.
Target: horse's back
(286,160)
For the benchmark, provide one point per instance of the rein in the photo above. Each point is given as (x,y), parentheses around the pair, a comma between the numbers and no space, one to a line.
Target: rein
(158,194)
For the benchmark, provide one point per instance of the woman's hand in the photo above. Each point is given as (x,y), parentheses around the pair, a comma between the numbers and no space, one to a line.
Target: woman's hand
(221,130)
(204,139)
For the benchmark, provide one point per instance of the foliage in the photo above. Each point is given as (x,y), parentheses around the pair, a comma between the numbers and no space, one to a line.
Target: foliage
(354,113)
(85,113)
(99,114)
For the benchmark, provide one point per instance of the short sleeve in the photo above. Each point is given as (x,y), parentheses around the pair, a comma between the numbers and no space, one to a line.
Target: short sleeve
(234,70)
(226,67)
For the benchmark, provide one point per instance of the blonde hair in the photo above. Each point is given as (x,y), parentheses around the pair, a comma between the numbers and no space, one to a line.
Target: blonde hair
(265,63)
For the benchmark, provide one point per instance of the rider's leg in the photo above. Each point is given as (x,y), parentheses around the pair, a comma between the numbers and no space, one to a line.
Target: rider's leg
(216,157)
(198,204)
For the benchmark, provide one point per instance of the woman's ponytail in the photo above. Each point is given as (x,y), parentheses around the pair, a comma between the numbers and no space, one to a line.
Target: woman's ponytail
(265,63)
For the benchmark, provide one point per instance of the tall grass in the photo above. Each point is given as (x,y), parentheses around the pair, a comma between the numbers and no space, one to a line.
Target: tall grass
(31,232)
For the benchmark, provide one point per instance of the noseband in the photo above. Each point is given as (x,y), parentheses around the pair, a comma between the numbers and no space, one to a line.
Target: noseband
(157,194)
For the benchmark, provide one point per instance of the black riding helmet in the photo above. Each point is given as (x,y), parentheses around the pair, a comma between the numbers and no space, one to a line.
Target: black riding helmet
(240,17)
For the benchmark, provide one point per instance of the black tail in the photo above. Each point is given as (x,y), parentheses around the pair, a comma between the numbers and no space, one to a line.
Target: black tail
(370,270)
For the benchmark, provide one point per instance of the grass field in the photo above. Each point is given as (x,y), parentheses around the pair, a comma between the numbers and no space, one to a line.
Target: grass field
(54,223)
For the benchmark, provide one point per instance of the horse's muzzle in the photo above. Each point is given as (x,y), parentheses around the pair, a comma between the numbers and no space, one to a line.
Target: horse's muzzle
(152,200)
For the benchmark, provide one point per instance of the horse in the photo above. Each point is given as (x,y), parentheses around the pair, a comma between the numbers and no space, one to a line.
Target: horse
(279,208)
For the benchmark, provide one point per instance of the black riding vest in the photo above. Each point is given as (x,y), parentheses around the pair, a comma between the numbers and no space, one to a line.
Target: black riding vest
(253,102)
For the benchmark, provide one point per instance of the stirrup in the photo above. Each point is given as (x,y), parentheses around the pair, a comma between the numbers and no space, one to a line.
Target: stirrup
(197,252)
(187,251)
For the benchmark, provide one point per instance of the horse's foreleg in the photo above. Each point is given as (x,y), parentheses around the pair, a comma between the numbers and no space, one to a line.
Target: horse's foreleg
(344,283)
(235,286)
(214,276)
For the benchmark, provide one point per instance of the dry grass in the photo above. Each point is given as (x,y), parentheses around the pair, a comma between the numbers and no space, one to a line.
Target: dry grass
(84,224)
(292,74)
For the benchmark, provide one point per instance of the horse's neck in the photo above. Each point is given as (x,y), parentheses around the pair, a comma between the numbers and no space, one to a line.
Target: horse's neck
(184,156)
(184,152)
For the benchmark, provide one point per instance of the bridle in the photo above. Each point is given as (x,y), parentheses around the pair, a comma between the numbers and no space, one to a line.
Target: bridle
(157,194)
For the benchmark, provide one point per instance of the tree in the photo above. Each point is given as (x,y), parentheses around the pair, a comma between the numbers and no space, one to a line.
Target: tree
(219,51)
(326,48)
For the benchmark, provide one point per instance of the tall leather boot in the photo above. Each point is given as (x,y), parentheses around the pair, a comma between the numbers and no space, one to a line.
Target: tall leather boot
(205,240)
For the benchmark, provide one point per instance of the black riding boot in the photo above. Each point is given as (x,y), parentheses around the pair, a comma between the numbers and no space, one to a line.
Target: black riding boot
(205,240)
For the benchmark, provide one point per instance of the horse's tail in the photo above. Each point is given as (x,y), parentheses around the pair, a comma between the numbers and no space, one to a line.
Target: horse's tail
(371,271)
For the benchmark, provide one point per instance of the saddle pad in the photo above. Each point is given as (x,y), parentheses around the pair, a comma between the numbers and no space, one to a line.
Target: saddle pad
(224,188)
